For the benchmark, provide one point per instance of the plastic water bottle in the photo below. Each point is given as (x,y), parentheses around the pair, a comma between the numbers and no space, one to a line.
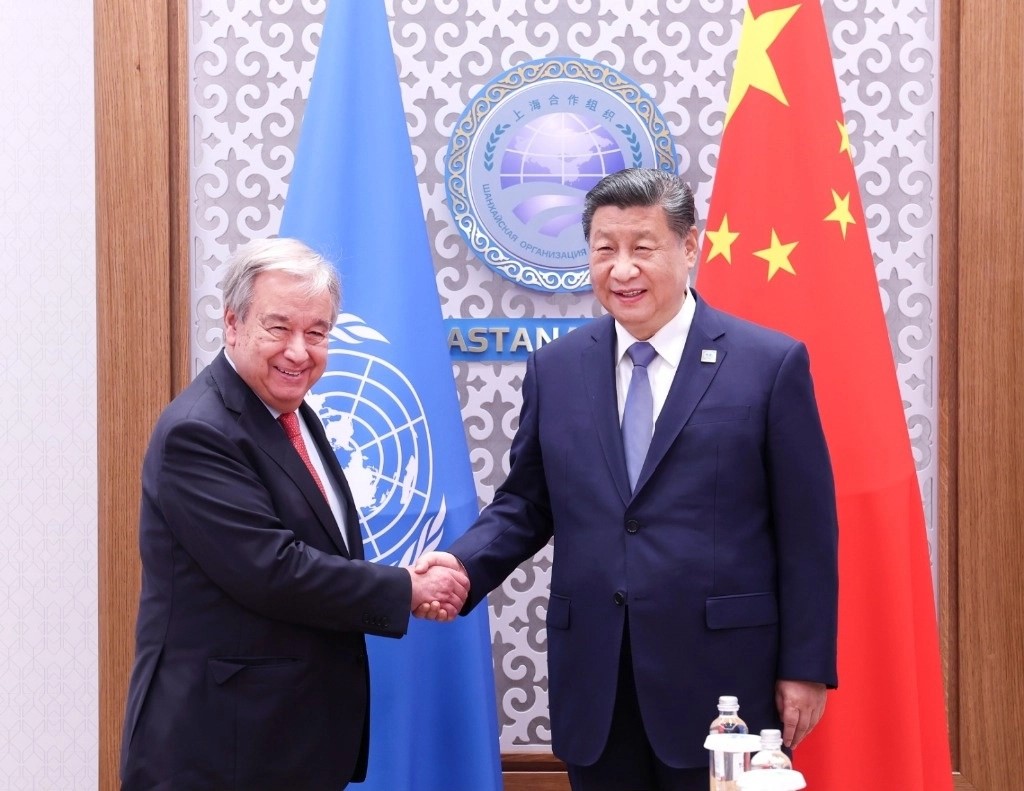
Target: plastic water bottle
(725,767)
(771,755)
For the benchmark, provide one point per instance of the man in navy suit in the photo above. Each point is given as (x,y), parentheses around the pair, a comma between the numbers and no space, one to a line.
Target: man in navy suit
(715,572)
(250,670)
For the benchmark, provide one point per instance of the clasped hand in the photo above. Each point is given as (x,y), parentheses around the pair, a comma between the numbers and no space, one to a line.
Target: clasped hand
(439,586)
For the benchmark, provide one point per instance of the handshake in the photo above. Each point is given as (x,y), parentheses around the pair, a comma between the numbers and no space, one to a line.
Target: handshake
(439,586)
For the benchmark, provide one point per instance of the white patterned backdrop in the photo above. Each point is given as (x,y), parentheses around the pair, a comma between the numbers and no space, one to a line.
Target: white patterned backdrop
(251,66)
(48,498)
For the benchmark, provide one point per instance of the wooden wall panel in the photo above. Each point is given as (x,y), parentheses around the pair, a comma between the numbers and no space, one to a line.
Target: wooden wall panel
(530,771)
(140,270)
(949,91)
(982,403)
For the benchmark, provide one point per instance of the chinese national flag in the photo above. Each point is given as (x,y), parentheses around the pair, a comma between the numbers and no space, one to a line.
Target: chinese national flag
(786,246)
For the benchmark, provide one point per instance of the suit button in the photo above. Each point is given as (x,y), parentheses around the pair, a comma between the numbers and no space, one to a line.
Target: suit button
(619,598)
(632,526)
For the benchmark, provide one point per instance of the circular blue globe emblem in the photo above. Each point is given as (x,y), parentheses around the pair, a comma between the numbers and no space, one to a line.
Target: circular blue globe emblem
(526,150)
(375,422)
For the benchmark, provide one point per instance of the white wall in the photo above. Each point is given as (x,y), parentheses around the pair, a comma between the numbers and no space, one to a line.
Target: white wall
(48,510)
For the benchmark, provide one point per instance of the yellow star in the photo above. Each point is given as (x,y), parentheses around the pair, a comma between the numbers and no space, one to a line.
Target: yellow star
(844,139)
(777,256)
(754,68)
(841,213)
(721,240)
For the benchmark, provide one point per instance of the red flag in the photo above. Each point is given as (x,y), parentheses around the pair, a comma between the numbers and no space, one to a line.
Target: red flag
(786,246)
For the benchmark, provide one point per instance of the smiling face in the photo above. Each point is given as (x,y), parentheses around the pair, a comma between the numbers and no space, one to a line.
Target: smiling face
(639,266)
(280,347)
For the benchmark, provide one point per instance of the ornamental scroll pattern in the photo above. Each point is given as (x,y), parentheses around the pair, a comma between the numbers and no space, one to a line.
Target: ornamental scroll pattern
(251,64)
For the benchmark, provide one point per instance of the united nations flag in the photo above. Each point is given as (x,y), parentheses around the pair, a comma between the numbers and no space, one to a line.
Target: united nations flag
(389,403)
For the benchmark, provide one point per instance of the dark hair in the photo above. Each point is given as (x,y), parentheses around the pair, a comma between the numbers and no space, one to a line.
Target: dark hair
(643,187)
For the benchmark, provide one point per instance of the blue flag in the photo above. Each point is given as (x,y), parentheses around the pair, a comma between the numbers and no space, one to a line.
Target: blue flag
(389,403)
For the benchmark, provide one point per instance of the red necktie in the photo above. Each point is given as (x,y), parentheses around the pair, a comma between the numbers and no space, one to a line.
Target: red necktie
(290,422)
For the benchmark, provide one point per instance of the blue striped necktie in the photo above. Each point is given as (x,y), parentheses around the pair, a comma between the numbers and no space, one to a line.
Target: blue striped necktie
(638,413)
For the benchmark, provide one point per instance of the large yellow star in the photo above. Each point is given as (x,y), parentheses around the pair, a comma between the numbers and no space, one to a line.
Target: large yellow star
(841,213)
(777,256)
(721,240)
(754,68)
(844,139)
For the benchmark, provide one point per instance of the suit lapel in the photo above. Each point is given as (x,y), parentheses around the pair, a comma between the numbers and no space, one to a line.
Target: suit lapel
(598,361)
(691,381)
(256,420)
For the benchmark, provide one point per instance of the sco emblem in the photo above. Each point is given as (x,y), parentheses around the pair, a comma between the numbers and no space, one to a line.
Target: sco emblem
(527,149)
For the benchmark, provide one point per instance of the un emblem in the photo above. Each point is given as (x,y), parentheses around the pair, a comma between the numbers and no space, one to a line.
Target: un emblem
(376,424)
(526,150)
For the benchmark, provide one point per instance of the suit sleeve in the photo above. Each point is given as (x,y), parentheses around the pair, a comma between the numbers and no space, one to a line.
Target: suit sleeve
(804,515)
(517,523)
(223,515)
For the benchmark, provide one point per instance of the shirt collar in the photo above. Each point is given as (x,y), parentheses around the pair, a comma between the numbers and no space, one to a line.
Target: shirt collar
(669,341)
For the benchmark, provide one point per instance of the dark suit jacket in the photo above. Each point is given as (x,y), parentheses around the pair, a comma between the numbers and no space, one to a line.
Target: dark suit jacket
(250,668)
(725,555)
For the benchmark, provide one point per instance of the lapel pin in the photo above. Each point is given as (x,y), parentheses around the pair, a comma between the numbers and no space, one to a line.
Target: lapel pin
(708,355)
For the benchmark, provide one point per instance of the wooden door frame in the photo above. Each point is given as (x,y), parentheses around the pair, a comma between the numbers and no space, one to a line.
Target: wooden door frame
(949,148)
(143,321)
(142,300)
(981,333)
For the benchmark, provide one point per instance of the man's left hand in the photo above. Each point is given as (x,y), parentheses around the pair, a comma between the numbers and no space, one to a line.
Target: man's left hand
(800,705)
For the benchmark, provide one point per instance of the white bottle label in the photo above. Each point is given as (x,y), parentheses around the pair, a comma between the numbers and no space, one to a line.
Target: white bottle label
(728,767)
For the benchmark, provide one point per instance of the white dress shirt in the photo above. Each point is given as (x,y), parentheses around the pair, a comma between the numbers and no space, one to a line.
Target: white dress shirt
(668,342)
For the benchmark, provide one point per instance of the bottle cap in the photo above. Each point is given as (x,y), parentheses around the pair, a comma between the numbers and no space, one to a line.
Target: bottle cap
(728,702)
(771,738)
(771,780)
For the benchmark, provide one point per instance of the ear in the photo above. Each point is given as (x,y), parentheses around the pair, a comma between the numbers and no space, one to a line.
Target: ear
(691,248)
(230,328)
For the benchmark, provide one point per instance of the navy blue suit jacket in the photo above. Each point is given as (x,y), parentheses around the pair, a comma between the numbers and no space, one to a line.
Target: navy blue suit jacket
(725,555)
(250,668)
